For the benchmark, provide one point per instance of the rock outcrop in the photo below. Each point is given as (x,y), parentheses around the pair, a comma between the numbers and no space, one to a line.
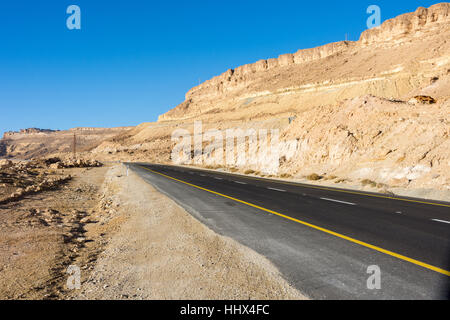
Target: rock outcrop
(409,24)
(388,53)
(9,134)
(21,178)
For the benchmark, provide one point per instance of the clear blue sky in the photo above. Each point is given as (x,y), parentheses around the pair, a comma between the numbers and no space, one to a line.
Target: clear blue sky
(133,60)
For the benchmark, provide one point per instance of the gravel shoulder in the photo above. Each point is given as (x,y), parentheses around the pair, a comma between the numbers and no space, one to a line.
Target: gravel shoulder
(156,250)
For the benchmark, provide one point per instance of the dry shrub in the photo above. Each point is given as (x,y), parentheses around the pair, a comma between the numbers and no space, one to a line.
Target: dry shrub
(369,182)
(212,167)
(402,158)
(314,177)
(382,185)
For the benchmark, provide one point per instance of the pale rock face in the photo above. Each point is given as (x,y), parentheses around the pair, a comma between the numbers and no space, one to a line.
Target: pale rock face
(290,70)
(233,78)
(409,23)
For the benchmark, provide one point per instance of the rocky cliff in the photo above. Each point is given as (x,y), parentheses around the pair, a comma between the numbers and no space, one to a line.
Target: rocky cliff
(409,24)
(384,62)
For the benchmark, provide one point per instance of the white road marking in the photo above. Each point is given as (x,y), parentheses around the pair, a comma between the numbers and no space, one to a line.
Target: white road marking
(443,221)
(344,202)
(281,190)
(218,178)
(398,212)
(240,182)
(203,175)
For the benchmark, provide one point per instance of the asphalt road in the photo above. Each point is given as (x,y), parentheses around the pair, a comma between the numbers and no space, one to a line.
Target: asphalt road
(322,240)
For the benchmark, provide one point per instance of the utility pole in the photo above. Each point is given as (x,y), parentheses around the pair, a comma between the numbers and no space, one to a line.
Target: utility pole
(74,146)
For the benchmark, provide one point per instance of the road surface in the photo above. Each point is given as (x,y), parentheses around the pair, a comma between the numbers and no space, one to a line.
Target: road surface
(323,240)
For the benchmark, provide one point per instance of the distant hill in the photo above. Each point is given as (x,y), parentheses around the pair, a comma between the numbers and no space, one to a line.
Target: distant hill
(33,142)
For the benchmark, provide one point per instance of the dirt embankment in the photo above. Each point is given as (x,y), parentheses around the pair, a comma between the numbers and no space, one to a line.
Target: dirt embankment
(162,252)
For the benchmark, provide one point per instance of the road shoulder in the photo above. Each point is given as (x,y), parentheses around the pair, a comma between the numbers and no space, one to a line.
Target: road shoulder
(161,252)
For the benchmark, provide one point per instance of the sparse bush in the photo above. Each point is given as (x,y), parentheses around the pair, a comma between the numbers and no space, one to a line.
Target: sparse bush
(314,177)
(212,167)
(402,158)
(249,171)
(369,182)
(381,185)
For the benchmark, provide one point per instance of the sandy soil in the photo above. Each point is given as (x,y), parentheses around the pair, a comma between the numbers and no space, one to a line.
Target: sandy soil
(161,252)
(44,232)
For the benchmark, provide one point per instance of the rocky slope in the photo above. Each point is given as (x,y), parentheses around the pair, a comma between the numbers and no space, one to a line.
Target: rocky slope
(377,142)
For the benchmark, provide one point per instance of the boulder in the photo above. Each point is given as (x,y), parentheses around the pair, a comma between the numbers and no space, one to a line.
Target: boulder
(422,100)
(57,165)
(4,164)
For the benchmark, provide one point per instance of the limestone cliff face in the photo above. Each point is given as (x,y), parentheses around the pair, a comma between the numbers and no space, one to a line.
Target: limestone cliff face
(289,73)
(233,78)
(408,24)
(239,78)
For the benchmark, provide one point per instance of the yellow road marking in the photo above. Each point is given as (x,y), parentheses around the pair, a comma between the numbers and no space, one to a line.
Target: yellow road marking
(364,244)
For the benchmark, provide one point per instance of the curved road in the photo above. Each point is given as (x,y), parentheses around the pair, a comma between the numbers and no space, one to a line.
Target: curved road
(322,240)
